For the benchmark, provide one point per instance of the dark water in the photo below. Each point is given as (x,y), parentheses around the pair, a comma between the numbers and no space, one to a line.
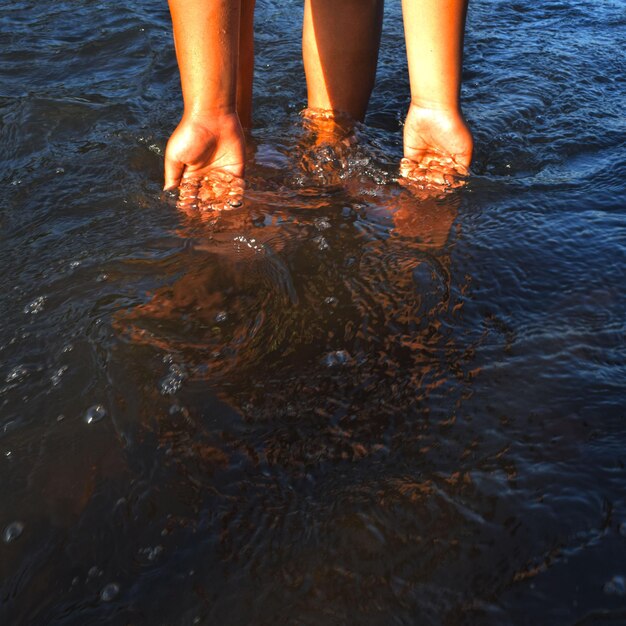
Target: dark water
(338,404)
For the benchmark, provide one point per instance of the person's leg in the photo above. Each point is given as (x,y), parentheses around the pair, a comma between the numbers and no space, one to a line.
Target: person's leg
(245,72)
(340,41)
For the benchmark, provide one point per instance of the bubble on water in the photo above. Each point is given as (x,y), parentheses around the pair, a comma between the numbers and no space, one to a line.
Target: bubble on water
(102,277)
(251,243)
(109,592)
(151,553)
(67,348)
(322,244)
(17,374)
(56,377)
(12,532)
(173,381)
(616,586)
(8,454)
(156,149)
(221,316)
(331,301)
(321,223)
(94,572)
(337,358)
(60,417)
(95,413)
(59,170)
(36,306)
(622,529)
(74,264)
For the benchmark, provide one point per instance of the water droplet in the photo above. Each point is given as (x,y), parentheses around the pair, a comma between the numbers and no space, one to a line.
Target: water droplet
(221,316)
(36,306)
(102,277)
(94,572)
(8,453)
(12,532)
(95,413)
(337,358)
(60,418)
(68,348)
(616,586)
(331,300)
(109,592)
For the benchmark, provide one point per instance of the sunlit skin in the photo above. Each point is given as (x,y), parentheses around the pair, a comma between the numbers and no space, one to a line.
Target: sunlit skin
(437,142)
(210,38)
(437,147)
(215,52)
(340,41)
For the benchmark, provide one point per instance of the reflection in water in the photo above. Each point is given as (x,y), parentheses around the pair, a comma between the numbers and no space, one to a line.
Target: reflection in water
(237,306)
(291,401)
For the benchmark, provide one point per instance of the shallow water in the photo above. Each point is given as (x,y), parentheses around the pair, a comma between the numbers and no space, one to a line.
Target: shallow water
(337,404)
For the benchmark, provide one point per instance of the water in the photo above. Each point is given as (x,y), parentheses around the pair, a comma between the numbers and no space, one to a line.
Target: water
(337,404)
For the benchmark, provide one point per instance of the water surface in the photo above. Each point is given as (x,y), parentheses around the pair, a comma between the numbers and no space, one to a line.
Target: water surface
(339,404)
